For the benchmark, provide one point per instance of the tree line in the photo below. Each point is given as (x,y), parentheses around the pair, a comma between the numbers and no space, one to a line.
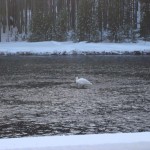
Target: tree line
(76,20)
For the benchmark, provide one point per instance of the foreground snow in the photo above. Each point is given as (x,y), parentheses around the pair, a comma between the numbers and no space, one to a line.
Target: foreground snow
(52,47)
(119,141)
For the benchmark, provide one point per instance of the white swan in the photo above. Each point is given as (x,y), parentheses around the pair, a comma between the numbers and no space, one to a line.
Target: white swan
(82,82)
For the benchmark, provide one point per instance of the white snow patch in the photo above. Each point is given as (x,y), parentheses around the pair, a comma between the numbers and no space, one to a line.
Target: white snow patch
(118,141)
(69,47)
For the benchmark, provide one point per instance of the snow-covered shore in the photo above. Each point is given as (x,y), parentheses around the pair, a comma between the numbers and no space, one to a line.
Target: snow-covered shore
(119,141)
(53,47)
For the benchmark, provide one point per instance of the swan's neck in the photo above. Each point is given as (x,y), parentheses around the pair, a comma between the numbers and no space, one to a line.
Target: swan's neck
(76,78)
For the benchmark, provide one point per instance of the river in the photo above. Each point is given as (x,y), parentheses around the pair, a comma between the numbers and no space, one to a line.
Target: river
(38,95)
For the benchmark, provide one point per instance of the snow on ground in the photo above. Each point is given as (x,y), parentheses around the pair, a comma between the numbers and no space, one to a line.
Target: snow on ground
(53,47)
(118,141)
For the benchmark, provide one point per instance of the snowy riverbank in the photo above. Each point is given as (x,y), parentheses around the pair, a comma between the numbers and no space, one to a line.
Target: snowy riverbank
(119,141)
(62,48)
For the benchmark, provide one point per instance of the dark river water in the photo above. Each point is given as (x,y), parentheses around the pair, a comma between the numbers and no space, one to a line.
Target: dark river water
(38,95)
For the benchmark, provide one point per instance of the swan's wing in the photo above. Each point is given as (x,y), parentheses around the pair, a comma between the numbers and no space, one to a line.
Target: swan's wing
(83,81)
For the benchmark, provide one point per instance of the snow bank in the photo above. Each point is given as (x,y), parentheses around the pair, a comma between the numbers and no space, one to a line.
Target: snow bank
(53,47)
(119,141)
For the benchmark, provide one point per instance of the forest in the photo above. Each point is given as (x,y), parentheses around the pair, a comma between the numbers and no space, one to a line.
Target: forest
(75,20)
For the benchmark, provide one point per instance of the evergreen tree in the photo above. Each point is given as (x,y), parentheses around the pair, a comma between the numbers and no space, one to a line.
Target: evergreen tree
(0,20)
(94,26)
(100,19)
(41,27)
(82,20)
(87,23)
(145,16)
(61,26)
(115,27)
